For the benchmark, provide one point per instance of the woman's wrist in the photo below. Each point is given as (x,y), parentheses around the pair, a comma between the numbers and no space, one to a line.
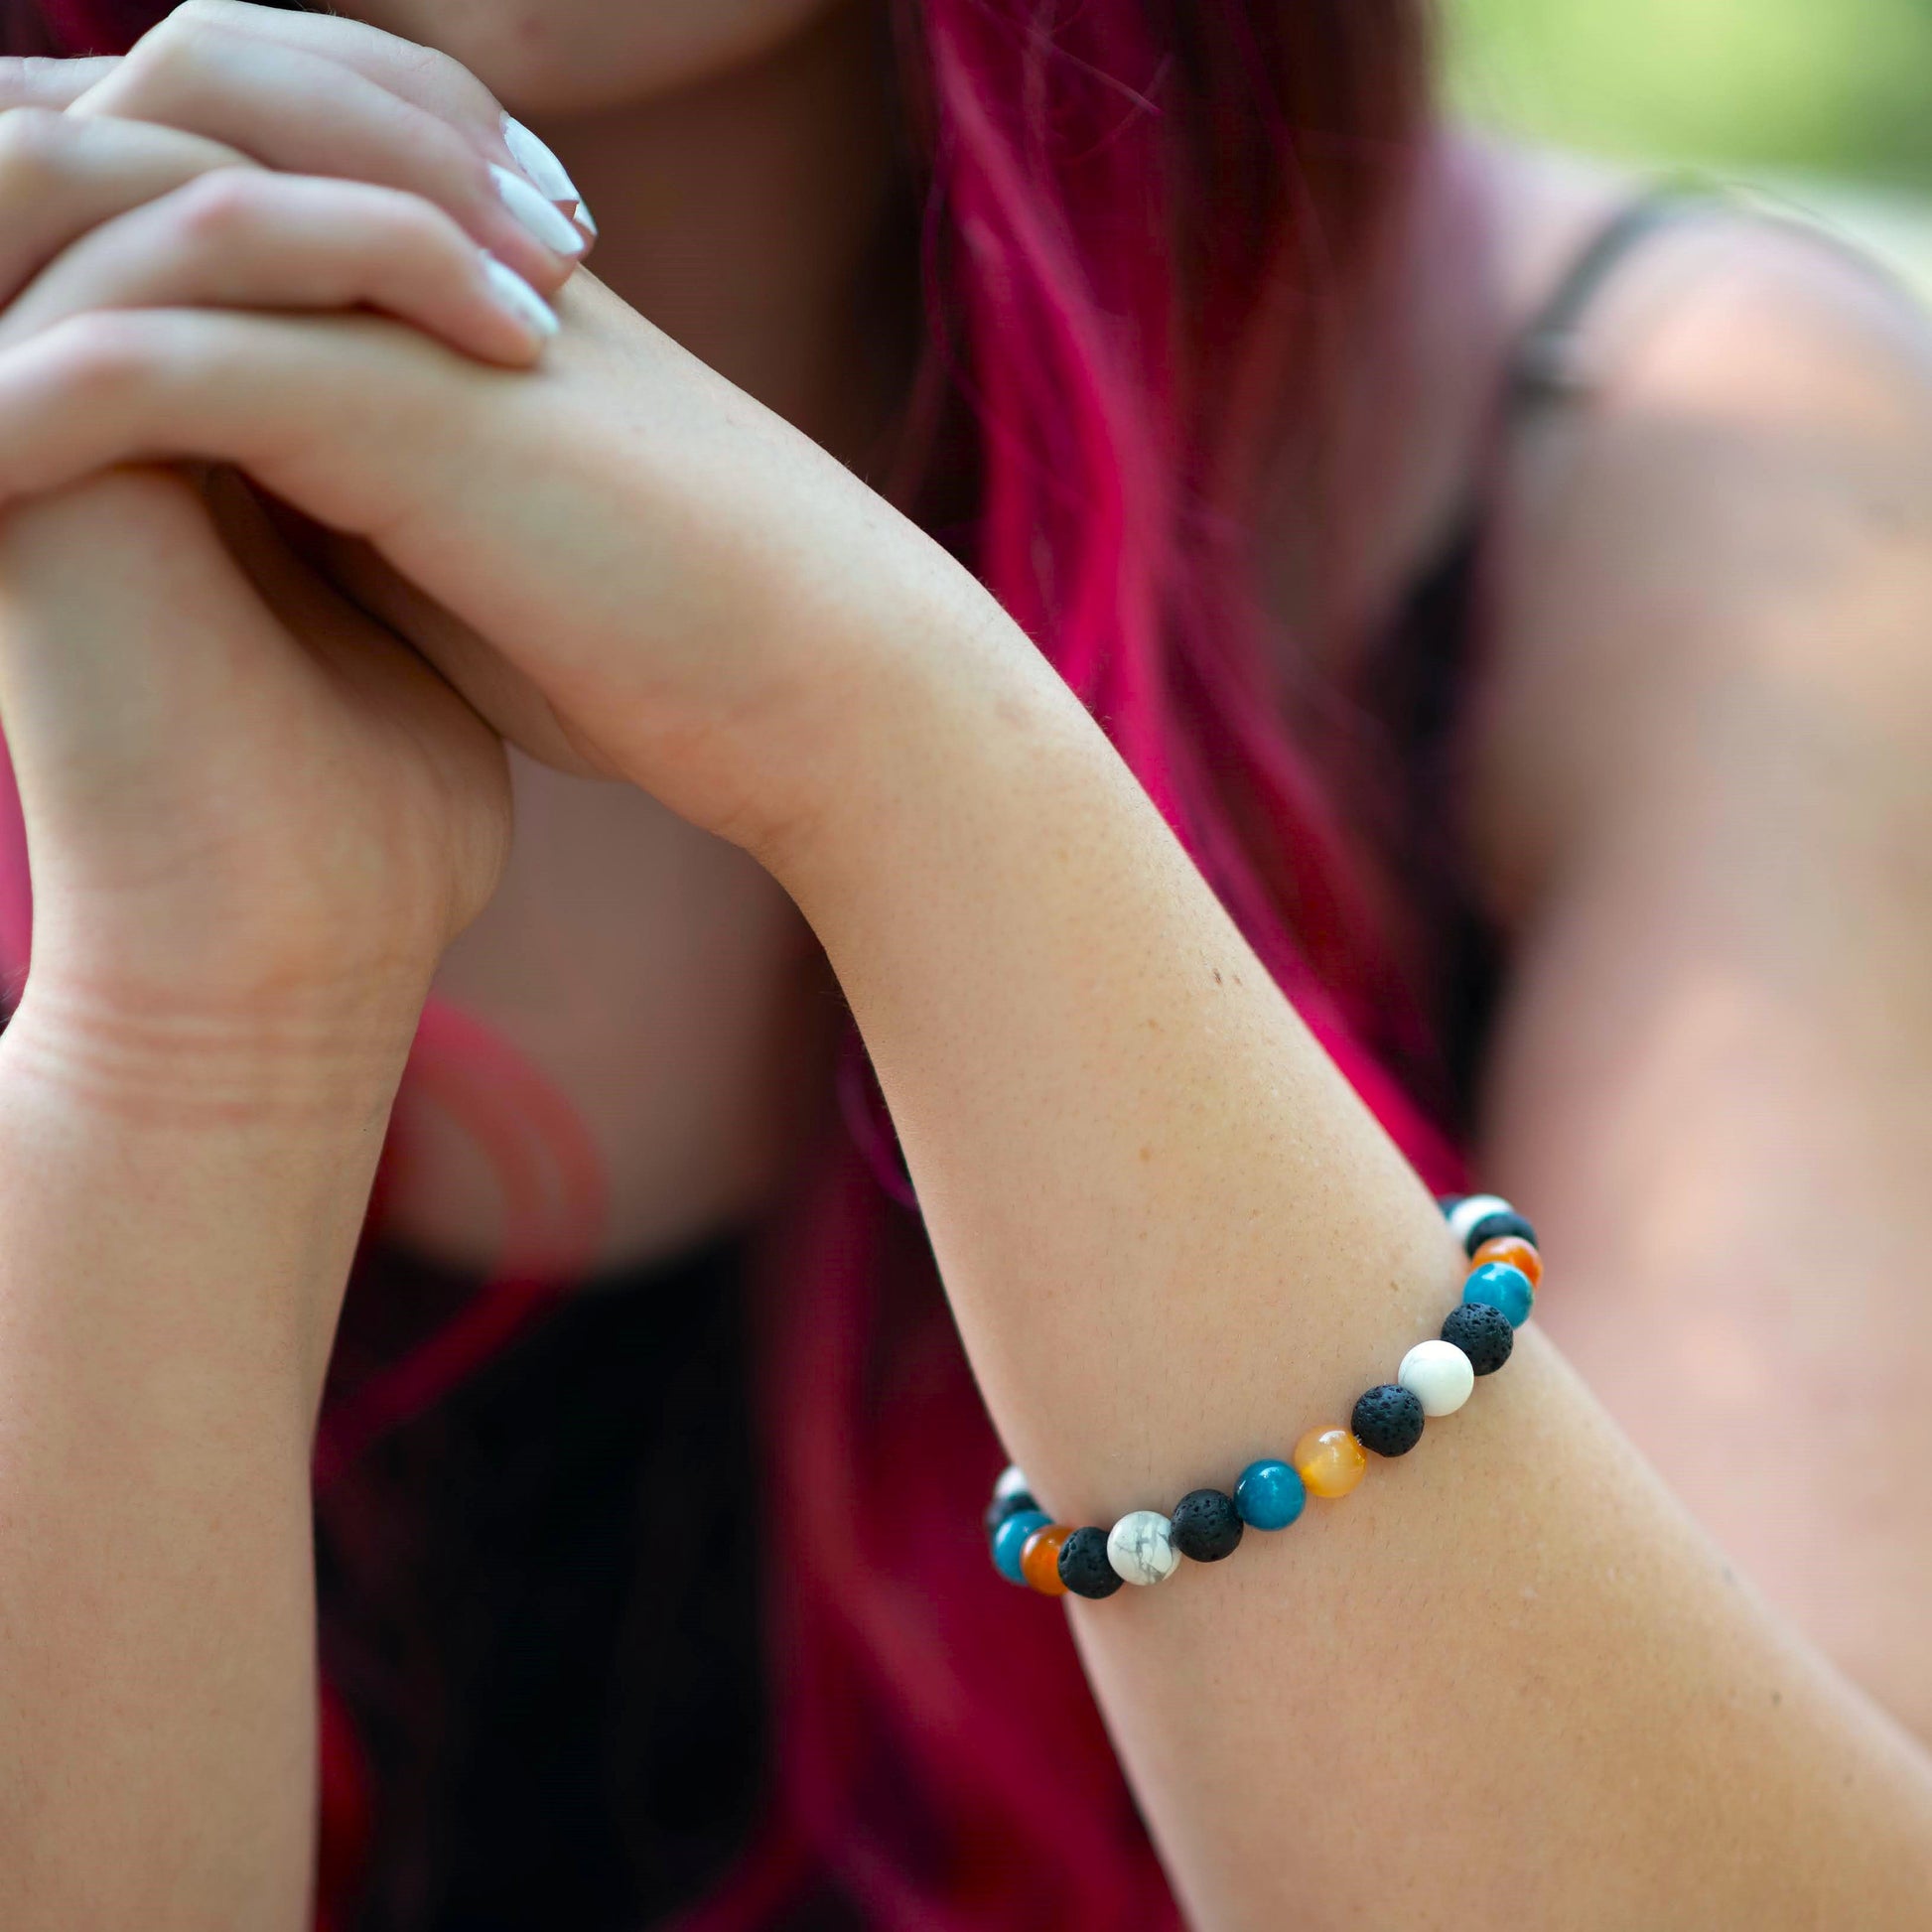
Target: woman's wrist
(956,720)
(228,1160)
(319,1062)
(176,1230)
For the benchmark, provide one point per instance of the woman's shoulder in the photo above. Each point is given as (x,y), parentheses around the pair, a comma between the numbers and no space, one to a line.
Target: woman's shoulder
(1402,429)
(1706,299)
(1739,467)
(1742,437)
(1726,284)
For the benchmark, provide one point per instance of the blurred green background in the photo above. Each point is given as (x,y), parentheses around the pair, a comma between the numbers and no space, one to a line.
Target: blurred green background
(1826,104)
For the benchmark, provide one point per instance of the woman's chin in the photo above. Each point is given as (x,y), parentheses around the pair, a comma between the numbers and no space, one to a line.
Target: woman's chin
(559,59)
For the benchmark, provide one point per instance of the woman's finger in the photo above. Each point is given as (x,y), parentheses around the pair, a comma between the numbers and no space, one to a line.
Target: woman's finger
(302,113)
(34,81)
(356,424)
(247,238)
(299,404)
(61,176)
(428,78)
(421,75)
(361,425)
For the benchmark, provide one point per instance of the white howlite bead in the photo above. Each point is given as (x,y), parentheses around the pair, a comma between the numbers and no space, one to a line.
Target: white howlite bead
(1466,1214)
(1141,1548)
(1012,1482)
(1438,1375)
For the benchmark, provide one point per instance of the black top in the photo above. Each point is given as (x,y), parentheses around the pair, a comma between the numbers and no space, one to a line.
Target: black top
(583,1743)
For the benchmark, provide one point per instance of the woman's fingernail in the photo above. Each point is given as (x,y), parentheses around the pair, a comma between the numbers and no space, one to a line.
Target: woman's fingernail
(538,162)
(519,298)
(549,173)
(544,219)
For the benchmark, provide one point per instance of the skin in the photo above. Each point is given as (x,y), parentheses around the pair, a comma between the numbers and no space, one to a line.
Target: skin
(1597,1689)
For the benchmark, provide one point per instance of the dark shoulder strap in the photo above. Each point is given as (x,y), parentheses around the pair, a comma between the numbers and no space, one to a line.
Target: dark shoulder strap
(1547,363)
(1420,669)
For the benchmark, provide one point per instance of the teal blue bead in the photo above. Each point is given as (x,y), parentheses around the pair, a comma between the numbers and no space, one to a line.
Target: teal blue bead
(1505,1287)
(1010,1542)
(1270,1494)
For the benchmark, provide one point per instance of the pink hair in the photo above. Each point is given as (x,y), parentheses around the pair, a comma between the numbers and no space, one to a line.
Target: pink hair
(1150,232)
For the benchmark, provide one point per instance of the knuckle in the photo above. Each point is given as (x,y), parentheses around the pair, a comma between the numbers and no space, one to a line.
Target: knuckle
(33,142)
(100,355)
(451,81)
(407,225)
(218,209)
(389,224)
(168,54)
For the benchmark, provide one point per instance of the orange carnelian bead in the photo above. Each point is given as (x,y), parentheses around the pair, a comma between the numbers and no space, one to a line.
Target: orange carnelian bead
(1039,1560)
(1513,1252)
(1329,1461)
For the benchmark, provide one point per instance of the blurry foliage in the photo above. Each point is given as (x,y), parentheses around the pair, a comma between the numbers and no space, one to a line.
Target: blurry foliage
(1823,86)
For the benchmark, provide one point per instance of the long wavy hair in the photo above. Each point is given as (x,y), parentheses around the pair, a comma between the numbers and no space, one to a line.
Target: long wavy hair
(1150,232)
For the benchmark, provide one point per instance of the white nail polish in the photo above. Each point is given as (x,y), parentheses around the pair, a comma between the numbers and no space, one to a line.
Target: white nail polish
(517,298)
(538,162)
(549,173)
(548,222)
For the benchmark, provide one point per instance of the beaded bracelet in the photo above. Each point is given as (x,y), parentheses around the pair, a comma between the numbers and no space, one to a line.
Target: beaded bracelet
(1436,1379)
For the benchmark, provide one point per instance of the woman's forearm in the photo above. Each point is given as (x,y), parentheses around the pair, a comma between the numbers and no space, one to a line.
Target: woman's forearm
(179,1202)
(1508,1680)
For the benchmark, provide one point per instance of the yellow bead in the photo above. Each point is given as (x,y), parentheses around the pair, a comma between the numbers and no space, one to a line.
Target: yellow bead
(1329,1461)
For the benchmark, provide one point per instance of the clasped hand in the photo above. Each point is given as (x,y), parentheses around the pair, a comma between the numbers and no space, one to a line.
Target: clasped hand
(284,245)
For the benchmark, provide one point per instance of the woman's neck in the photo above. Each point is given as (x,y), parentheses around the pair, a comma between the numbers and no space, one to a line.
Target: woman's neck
(753,218)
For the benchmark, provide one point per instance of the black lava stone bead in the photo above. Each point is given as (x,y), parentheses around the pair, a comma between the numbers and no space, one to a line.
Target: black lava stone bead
(1003,1506)
(1482,1333)
(1084,1568)
(1388,1420)
(1207,1526)
(1492,1227)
